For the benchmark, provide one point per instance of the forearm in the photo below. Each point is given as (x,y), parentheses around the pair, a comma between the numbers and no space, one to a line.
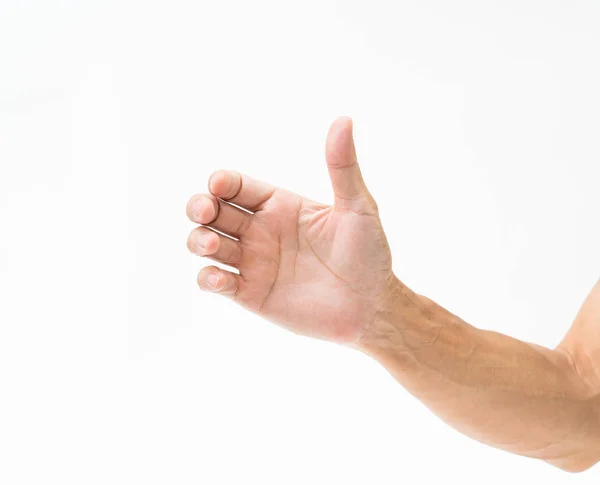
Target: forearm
(509,394)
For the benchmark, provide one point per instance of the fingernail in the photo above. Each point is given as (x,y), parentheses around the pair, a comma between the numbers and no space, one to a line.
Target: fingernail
(197,208)
(213,280)
(202,240)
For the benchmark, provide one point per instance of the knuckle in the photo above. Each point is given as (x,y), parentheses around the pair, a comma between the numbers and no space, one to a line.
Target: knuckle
(235,254)
(242,224)
(374,204)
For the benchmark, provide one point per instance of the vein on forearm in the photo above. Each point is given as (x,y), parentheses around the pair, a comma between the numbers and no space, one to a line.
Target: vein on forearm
(511,394)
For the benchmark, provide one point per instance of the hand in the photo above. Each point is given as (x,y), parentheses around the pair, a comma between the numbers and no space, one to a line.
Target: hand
(318,270)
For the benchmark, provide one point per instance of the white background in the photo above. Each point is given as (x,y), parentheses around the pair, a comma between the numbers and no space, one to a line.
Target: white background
(477,126)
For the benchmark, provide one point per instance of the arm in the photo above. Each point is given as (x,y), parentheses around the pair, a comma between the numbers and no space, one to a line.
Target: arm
(513,395)
(325,271)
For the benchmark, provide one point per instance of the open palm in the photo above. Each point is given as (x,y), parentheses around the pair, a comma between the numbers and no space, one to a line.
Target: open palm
(315,269)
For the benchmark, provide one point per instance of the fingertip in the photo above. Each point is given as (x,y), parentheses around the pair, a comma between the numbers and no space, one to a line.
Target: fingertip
(214,280)
(202,209)
(339,148)
(211,180)
(219,183)
(210,279)
(190,243)
(341,123)
(211,243)
(203,242)
(345,121)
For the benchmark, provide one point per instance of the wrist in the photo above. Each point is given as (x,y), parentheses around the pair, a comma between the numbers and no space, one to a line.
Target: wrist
(394,313)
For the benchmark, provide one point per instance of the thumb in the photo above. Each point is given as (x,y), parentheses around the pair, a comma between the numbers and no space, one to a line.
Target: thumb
(348,185)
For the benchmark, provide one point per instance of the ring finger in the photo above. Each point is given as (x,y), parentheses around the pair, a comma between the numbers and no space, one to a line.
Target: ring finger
(204,242)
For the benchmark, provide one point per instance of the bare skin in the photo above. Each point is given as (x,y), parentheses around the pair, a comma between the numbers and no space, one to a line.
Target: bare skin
(326,271)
